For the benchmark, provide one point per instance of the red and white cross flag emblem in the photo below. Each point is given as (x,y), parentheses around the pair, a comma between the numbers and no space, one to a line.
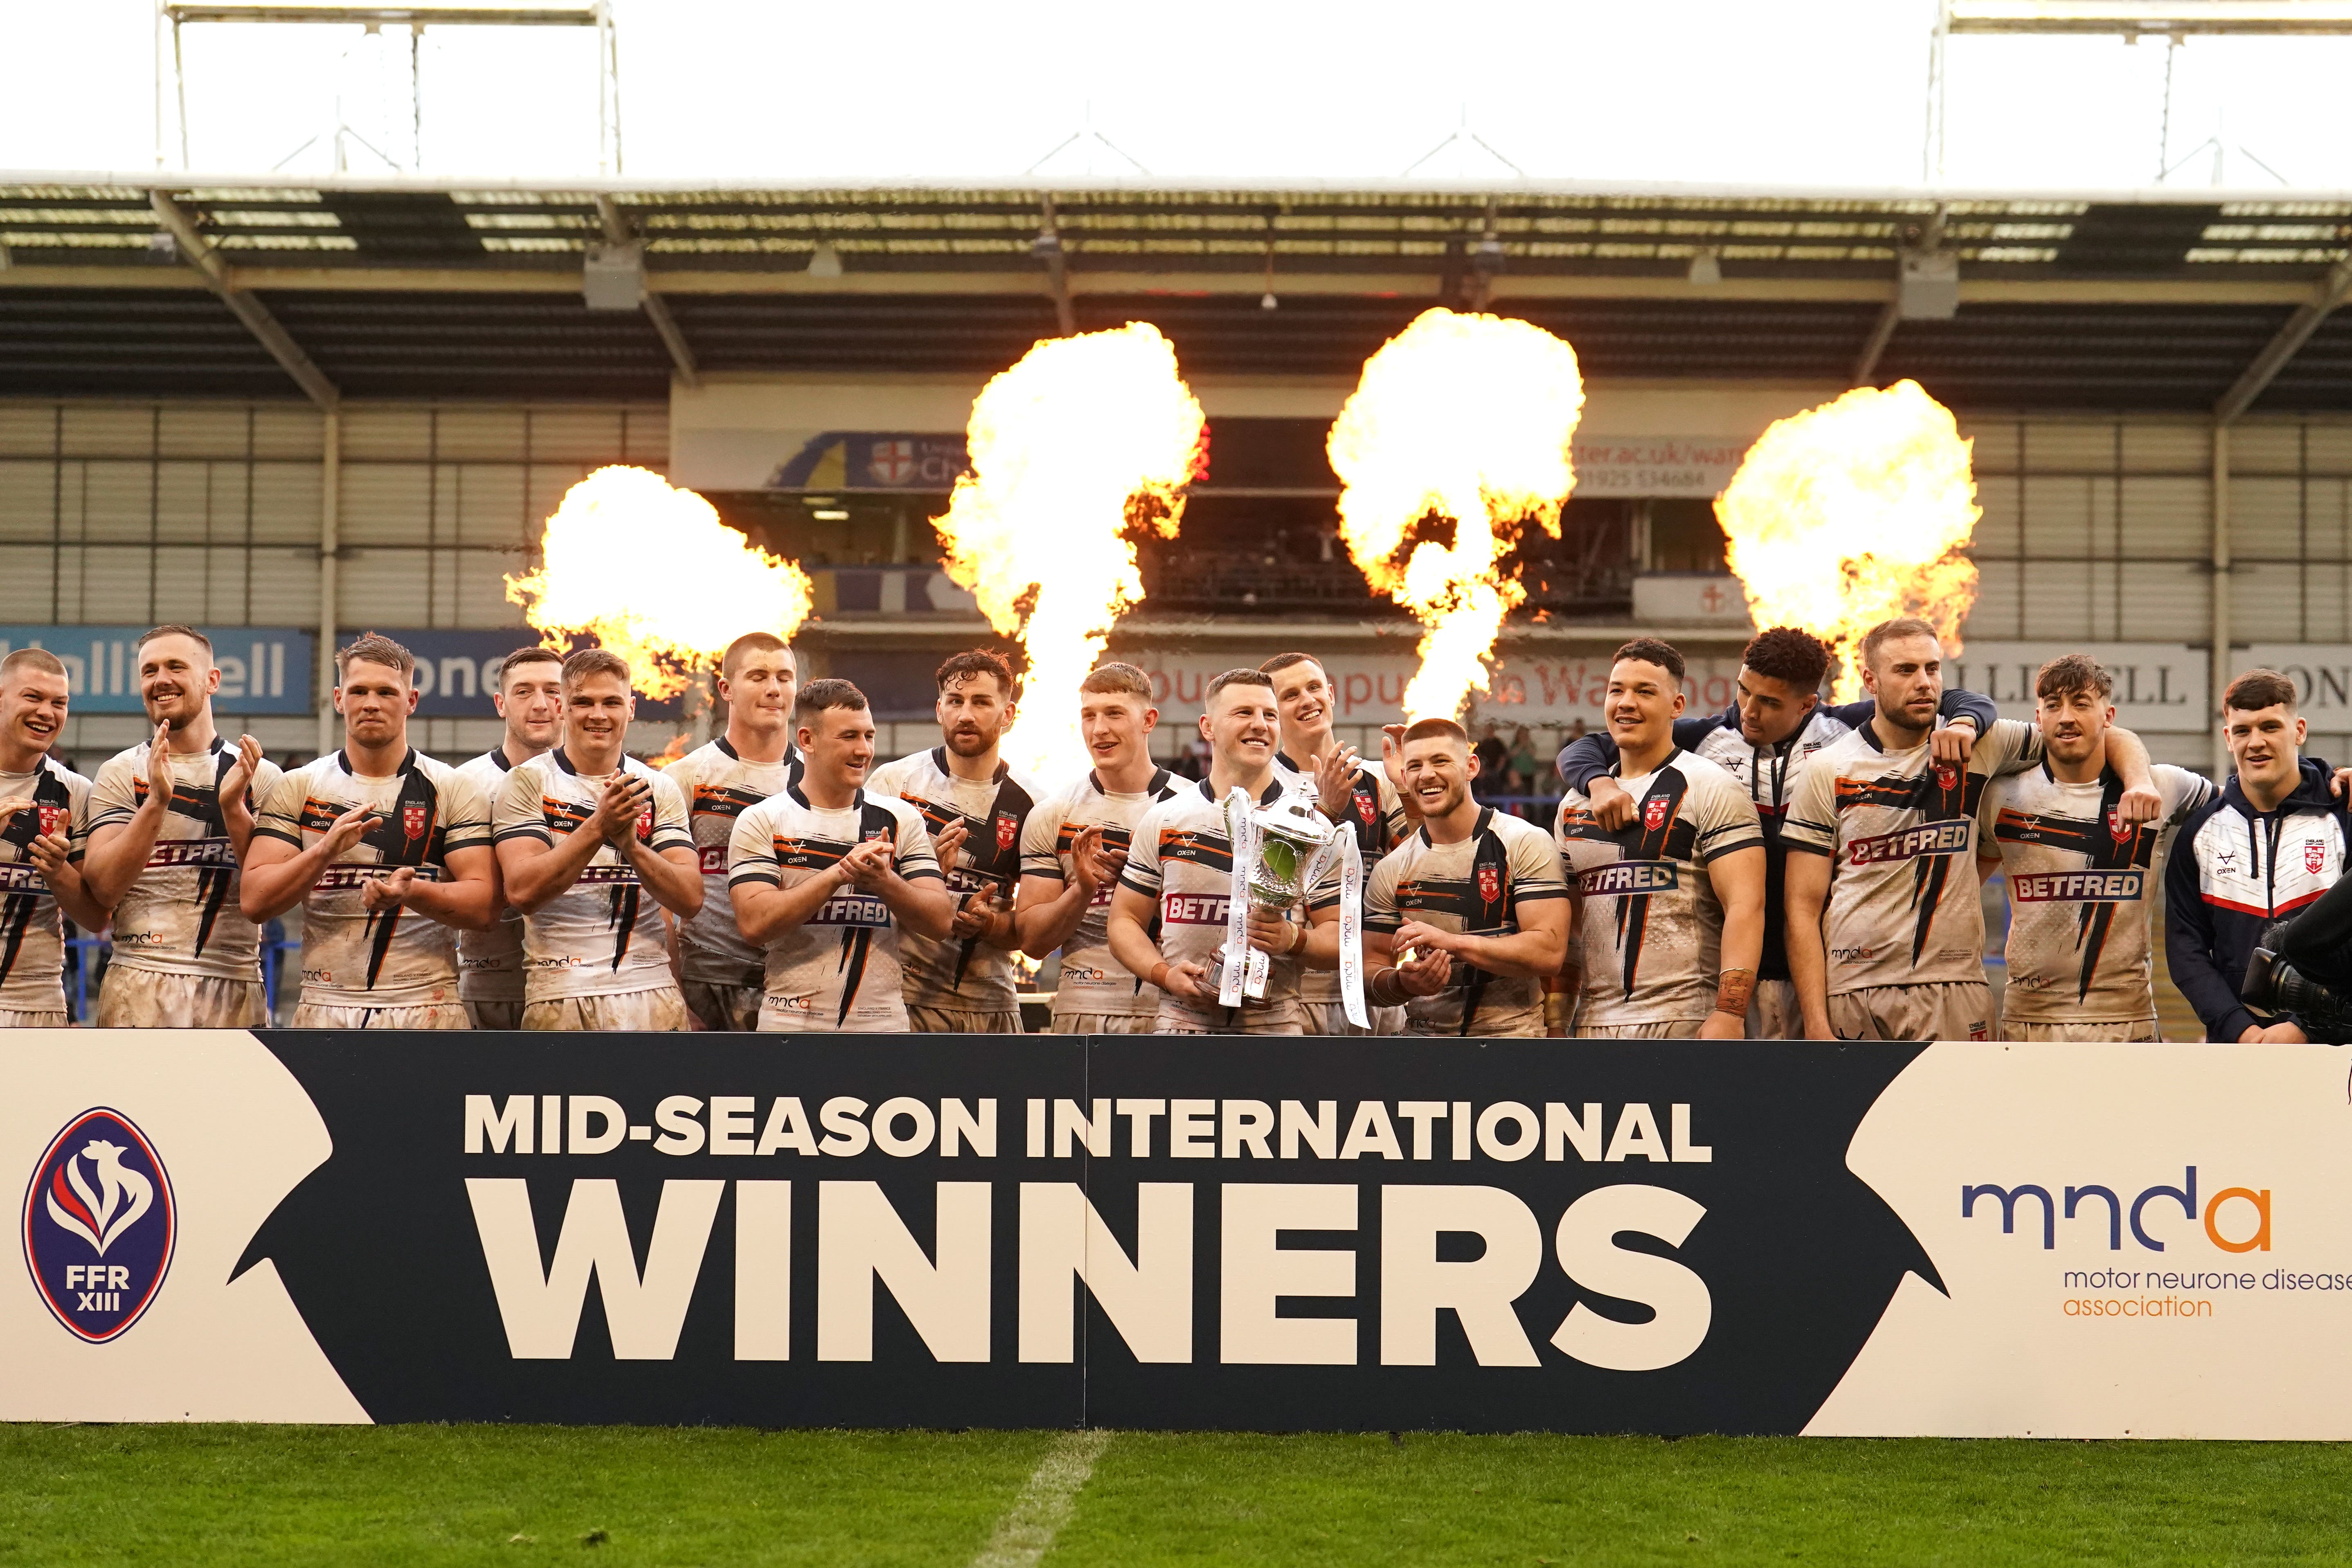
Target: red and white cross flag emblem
(1490,884)
(1008,830)
(414,820)
(1654,812)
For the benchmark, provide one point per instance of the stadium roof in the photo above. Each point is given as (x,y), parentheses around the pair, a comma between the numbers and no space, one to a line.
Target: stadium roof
(2167,300)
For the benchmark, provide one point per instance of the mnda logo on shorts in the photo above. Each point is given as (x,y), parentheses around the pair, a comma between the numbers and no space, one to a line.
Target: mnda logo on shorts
(99,1225)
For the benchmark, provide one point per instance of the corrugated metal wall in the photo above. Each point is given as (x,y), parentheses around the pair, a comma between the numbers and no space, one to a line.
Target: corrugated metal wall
(135,513)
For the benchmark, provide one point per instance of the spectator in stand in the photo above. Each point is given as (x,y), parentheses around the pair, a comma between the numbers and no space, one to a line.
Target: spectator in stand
(1494,763)
(1524,765)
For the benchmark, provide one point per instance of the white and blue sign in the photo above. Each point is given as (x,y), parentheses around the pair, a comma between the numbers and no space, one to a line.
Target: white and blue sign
(98,1225)
(263,670)
(457,669)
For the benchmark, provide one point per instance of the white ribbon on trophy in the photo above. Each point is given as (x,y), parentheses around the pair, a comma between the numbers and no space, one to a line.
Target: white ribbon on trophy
(1351,931)
(1239,957)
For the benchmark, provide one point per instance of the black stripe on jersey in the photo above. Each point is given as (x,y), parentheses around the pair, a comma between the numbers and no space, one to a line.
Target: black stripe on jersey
(1211,851)
(624,920)
(1446,896)
(1944,793)
(15,920)
(2111,845)
(1673,838)
(1113,838)
(808,854)
(20,830)
(723,800)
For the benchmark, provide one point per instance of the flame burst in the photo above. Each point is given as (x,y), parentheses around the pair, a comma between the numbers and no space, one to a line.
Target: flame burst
(1851,513)
(652,573)
(1084,437)
(1461,422)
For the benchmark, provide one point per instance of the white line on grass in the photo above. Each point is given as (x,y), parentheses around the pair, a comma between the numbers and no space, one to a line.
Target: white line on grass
(1037,1515)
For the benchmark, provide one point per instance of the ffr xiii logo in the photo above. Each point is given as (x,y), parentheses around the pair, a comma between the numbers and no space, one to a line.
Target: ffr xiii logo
(99,1225)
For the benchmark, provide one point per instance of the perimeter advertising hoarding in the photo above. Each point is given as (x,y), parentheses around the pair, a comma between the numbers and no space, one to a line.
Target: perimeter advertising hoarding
(263,670)
(1670,1237)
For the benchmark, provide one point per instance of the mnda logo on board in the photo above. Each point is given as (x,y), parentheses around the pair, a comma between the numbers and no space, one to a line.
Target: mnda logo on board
(99,1225)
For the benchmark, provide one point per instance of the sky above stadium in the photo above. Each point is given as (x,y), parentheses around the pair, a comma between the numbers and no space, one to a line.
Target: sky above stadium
(1710,91)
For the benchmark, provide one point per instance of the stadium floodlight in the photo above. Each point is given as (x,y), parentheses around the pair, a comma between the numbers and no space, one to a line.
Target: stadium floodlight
(597,14)
(2131,20)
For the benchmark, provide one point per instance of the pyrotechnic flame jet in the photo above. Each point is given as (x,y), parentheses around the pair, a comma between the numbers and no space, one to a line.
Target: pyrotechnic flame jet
(1085,443)
(651,573)
(1851,513)
(1455,439)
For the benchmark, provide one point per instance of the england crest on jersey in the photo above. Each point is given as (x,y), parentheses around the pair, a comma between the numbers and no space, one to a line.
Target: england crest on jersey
(1654,812)
(414,820)
(1008,832)
(98,1225)
(54,819)
(2315,856)
(1490,884)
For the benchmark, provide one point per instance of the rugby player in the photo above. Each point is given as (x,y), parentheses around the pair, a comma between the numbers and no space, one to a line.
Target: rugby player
(1179,874)
(720,973)
(2078,874)
(829,879)
(165,859)
(1766,738)
(1359,798)
(592,846)
(388,852)
(2271,842)
(1669,908)
(43,807)
(1074,849)
(973,805)
(1881,835)
(530,698)
(1472,899)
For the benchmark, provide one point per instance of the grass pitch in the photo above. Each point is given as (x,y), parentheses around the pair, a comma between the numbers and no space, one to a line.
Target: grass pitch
(515,1495)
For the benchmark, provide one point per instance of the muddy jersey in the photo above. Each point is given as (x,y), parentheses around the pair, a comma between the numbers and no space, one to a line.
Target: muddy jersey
(490,962)
(2078,892)
(1652,932)
(840,969)
(605,933)
(1377,818)
(1092,982)
(960,974)
(1479,886)
(180,916)
(1183,859)
(1900,829)
(396,956)
(32,926)
(719,786)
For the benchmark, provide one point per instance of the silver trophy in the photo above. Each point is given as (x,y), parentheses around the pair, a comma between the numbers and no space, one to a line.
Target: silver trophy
(1282,850)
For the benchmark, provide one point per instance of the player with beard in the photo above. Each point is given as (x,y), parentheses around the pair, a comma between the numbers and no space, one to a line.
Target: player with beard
(1179,878)
(720,973)
(1670,908)
(594,845)
(2078,874)
(165,860)
(530,698)
(43,808)
(1074,849)
(1881,836)
(1359,798)
(974,805)
(388,852)
(1766,739)
(1473,899)
(829,880)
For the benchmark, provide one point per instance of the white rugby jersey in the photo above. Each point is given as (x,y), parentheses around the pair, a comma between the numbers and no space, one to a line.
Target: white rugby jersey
(604,934)
(838,972)
(1477,886)
(1378,823)
(32,928)
(1652,925)
(490,962)
(2078,892)
(1092,982)
(719,786)
(1182,858)
(180,916)
(960,974)
(1901,831)
(395,957)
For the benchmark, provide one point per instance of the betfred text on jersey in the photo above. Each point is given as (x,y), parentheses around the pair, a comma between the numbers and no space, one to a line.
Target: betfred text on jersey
(1927,838)
(1628,876)
(2077,886)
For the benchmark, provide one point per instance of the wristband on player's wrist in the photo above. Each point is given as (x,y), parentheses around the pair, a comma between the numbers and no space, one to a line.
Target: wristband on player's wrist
(1159,976)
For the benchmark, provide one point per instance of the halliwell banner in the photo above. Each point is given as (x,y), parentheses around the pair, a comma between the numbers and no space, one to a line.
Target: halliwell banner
(1949,1239)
